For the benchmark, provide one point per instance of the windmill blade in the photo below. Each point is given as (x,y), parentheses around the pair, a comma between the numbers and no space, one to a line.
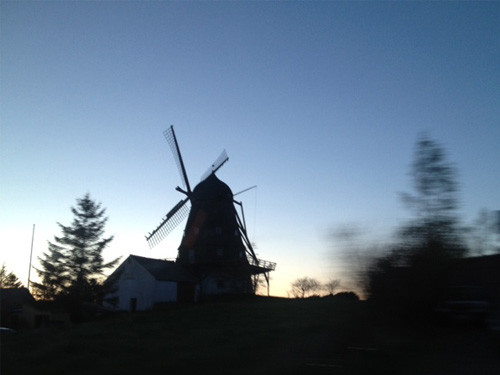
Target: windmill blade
(169,135)
(219,162)
(168,223)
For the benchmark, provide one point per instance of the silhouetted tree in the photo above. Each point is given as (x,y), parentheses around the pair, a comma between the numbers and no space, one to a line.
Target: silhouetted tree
(9,279)
(434,202)
(354,248)
(260,284)
(485,233)
(331,286)
(496,229)
(305,286)
(53,274)
(73,267)
(413,272)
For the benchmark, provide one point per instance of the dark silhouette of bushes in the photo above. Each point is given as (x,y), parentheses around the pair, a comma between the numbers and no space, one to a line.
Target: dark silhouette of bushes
(344,296)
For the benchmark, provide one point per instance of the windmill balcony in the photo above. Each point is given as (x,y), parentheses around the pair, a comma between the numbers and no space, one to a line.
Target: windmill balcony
(270,266)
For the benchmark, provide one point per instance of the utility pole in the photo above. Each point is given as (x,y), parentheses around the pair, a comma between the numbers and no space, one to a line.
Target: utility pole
(31,255)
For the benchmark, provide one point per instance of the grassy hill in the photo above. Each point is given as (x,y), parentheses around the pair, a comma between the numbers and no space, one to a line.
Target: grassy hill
(257,336)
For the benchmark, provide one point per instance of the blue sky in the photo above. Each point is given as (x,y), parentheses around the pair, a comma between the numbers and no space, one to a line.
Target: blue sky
(318,104)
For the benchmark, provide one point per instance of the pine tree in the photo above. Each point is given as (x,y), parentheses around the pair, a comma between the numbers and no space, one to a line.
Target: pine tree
(73,267)
(53,274)
(9,279)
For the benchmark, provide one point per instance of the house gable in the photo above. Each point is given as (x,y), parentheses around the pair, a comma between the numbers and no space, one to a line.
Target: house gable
(143,282)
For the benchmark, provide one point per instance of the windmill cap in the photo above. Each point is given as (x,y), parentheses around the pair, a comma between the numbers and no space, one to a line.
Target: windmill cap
(212,189)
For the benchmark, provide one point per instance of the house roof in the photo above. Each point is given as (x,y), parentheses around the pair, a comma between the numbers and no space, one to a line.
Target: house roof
(15,298)
(164,270)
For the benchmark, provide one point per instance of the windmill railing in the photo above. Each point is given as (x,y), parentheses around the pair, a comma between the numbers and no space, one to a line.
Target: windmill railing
(262,263)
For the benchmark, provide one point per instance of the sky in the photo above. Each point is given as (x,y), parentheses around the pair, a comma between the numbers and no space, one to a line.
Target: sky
(319,104)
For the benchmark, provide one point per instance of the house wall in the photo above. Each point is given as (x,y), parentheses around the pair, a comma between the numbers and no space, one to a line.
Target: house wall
(165,291)
(219,283)
(138,290)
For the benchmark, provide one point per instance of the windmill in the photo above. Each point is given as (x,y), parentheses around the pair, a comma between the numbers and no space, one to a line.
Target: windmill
(215,246)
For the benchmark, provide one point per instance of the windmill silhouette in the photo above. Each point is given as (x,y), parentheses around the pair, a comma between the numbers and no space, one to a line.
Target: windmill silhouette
(215,246)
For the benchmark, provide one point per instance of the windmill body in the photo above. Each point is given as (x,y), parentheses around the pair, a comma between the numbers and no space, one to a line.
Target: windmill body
(215,247)
(212,235)
(212,246)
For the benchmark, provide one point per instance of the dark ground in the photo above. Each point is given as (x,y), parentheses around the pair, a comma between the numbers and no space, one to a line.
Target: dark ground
(259,336)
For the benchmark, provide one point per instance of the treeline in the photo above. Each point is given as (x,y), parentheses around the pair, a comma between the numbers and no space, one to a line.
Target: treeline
(309,287)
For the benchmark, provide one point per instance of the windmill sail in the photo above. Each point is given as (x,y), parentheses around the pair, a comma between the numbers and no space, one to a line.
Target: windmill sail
(169,223)
(219,162)
(174,146)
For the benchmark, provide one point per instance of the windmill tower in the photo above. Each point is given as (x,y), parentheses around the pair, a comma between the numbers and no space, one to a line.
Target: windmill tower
(215,246)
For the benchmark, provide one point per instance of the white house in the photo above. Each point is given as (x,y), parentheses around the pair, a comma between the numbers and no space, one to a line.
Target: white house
(140,283)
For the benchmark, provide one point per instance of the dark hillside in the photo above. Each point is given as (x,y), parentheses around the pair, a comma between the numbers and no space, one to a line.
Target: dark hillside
(259,336)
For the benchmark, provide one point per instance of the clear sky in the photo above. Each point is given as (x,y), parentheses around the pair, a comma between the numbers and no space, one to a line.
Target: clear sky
(319,104)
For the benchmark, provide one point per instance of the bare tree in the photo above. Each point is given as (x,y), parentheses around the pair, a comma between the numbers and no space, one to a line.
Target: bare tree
(331,286)
(305,286)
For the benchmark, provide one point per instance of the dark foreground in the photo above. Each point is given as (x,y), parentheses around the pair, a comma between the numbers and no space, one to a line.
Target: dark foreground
(261,336)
